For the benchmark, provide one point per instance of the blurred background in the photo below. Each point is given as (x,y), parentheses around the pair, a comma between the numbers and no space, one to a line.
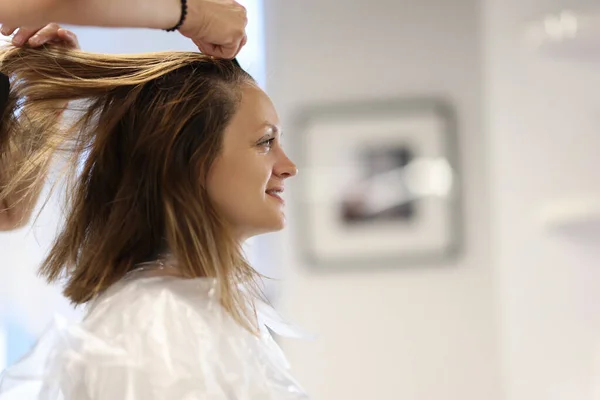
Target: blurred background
(501,101)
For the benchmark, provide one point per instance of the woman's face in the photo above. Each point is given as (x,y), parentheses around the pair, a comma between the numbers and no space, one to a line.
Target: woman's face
(247,180)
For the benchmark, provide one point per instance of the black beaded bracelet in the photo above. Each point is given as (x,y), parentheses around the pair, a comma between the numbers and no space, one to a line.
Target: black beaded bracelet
(182,19)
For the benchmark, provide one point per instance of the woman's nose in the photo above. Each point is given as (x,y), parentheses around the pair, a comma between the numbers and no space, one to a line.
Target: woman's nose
(287,168)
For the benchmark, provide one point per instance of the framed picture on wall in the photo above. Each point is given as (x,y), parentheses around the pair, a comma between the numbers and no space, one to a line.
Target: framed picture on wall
(379,183)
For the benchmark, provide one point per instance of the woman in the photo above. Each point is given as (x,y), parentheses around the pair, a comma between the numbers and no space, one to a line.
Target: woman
(174,160)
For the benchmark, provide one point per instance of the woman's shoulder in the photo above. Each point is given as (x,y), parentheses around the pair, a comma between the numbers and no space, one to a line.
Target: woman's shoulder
(143,303)
(134,292)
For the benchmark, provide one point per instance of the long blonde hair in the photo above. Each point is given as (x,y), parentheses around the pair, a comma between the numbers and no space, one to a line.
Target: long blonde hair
(148,128)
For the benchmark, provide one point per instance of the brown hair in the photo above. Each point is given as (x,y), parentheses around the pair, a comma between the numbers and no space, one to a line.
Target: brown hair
(141,140)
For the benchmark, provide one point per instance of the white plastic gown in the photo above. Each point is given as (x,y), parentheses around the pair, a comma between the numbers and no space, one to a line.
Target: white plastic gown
(155,338)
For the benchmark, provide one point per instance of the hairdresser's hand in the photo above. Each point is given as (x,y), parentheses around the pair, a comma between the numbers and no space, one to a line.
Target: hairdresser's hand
(217,27)
(35,37)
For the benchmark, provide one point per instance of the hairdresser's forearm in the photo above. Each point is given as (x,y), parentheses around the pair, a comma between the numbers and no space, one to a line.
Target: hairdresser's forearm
(158,14)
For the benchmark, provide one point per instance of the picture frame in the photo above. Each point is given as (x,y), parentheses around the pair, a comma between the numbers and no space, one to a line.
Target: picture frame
(379,183)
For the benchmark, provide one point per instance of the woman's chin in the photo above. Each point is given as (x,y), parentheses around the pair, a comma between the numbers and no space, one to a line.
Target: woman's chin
(271,227)
(276,225)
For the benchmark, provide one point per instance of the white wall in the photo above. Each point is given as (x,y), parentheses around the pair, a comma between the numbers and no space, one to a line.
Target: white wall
(544,129)
(406,333)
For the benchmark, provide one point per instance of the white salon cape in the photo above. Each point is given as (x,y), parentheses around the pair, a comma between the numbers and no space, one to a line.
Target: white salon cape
(155,338)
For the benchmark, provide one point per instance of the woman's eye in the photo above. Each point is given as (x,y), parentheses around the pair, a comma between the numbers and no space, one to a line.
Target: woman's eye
(267,143)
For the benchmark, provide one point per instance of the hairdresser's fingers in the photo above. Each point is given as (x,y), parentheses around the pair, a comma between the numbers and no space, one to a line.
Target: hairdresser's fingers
(241,45)
(44,35)
(53,33)
(230,52)
(219,51)
(227,51)
(24,34)
(203,47)
(69,38)
(7,30)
